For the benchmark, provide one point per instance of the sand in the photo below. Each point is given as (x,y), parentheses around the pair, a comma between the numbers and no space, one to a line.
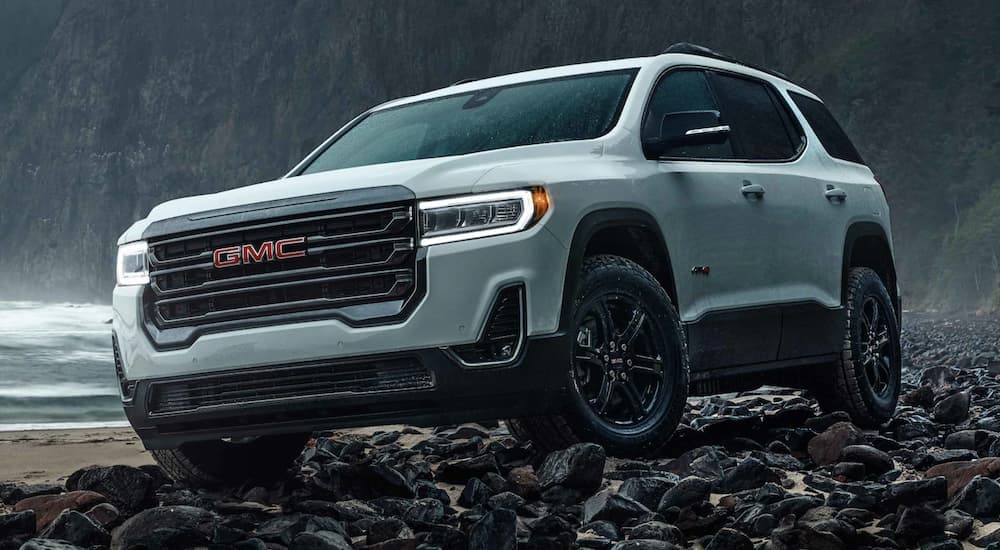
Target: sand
(50,456)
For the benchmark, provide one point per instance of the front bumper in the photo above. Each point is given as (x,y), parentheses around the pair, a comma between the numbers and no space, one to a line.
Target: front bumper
(535,384)
(463,280)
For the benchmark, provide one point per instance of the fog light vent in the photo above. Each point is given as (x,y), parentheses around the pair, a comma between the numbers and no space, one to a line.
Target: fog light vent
(502,337)
(125,387)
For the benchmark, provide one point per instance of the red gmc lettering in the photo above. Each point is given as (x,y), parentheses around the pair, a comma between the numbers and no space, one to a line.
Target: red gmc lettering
(226,257)
(264,254)
(267,251)
(279,248)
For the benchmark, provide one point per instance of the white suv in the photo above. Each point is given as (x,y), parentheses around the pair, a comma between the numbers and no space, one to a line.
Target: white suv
(576,248)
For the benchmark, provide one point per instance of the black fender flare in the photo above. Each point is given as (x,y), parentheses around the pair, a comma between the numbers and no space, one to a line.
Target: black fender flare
(589,226)
(856,232)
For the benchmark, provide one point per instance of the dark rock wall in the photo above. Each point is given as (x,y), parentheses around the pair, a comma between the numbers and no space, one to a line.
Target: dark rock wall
(111,107)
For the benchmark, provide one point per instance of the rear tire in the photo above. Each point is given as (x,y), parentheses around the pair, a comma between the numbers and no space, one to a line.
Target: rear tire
(220,462)
(866,381)
(628,366)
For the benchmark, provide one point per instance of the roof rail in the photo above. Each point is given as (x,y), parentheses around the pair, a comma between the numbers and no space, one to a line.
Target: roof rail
(695,49)
(464,81)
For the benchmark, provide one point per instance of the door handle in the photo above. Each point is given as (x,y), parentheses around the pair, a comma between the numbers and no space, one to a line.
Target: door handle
(835,194)
(752,190)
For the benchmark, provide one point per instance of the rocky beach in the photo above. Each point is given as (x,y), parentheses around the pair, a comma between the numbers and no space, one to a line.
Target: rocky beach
(755,470)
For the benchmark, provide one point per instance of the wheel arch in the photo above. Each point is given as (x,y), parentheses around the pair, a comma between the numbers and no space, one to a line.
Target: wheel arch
(867,245)
(631,233)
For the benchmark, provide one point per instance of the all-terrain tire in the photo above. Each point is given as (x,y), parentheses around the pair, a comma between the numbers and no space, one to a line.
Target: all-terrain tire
(848,387)
(219,462)
(601,275)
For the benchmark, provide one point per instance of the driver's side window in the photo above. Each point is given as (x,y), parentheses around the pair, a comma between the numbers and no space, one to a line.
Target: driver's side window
(685,90)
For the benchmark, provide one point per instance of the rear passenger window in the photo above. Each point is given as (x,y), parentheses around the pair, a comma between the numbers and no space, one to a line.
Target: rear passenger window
(678,92)
(829,132)
(762,126)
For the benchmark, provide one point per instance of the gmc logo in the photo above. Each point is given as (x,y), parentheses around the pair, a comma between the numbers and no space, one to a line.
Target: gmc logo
(267,251)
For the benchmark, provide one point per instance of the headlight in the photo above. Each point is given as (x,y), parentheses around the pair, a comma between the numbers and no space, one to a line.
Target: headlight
(132,268)
(480,215)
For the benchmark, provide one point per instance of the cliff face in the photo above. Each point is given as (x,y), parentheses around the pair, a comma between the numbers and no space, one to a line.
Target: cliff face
(110,107)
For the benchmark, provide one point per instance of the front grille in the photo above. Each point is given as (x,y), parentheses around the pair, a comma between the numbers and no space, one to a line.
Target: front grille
(305,380)
(352,257)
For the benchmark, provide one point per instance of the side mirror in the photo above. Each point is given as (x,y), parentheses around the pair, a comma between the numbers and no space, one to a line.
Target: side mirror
(687,128)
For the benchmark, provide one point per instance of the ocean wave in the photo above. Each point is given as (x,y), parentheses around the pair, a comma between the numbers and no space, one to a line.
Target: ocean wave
(25,426)
(58,390)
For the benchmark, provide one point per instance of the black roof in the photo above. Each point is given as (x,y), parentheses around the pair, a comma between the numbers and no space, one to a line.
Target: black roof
(695,49)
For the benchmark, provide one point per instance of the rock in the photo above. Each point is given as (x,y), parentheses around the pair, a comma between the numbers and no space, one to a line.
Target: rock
(425,510)
(165,527)
(49,544)
(937,377)
(284,529)
(959,474)
(826,447)
(468,431)
(730,539)
(912,427)
(933,458)
(646,490)
(126,487)
(917,491)
(748,474)
(387,529)
(611,506)
(496,530)
(462,470)
(580,466)
(952,409)
(849,471)
(688,491)
(18,523)
(48,507)
(475,492)
(918,522)
(980,498)
(876,462)
(603,529)
(523,481)
(105,515)
(958,523)
(506,500)
(644,544)
(76,528)
(795,505)
(824,422)
(920,397)
(320,540)
(657,530)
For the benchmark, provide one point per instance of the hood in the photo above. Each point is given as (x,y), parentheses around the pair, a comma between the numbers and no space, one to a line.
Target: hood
(425,177)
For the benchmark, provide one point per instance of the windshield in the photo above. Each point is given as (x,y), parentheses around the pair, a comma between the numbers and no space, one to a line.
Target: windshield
(563,109)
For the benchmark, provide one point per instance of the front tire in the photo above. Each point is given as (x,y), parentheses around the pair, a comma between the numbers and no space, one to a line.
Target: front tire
(222,462)
(628,366)
(866,381)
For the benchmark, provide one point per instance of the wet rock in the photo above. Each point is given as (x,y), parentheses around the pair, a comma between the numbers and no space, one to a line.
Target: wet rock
(523,481)
(826,447)
(580,466)
(958,523)
(923,396)
(165,527)
(918,522)
(980,498)
(917,491)
(952,409)
(748,474)
(496,530)
(876,462)
(912,427)
(795,505)
(507,500)
(611,506)
(462,470)
(105,515)
(320,540)
(646,490)
(923,461)
(128,488)
(823,422)
(18,523)
(475,492)
(425,510)
(387,529)
(284,529)
(959,474)
(48,507)
(847,471)
(49,544)
(657,530)
(644,544)
(76,528)
(688,491)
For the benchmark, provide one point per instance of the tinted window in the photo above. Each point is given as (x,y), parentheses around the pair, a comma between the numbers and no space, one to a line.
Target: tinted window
(580,107)
(751,109)
(678,92)
(829,132)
